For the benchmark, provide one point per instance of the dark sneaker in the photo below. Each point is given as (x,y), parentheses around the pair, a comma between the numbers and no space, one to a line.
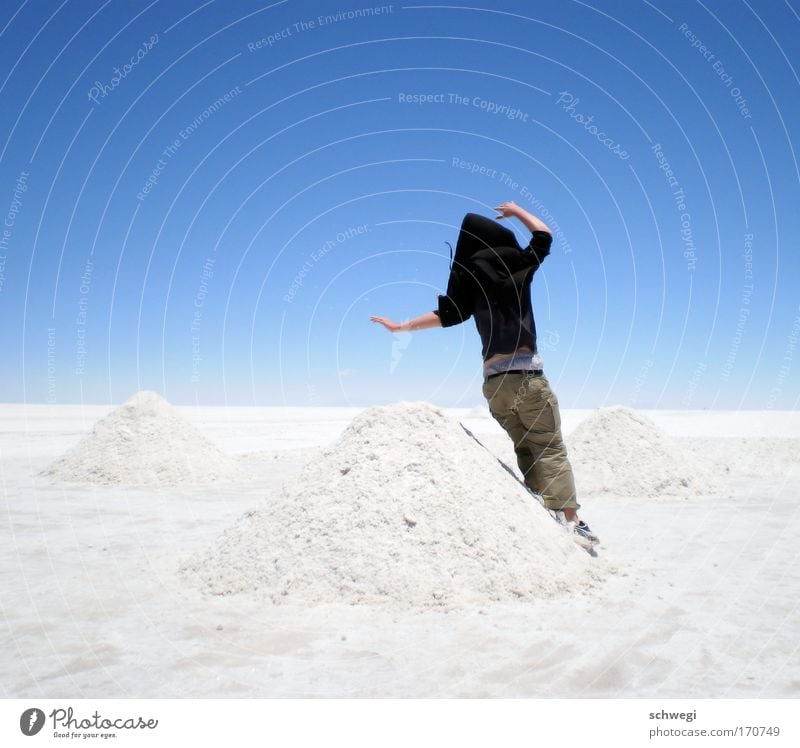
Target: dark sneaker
(582,529)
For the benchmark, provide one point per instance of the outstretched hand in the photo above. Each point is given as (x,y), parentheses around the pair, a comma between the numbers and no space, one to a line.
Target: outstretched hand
(507,210)
(390,325)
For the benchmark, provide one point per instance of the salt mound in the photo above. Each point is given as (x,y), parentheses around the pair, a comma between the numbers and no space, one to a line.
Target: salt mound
(479,411)
(146,442)
(618,450)
(750,457)
(405,510)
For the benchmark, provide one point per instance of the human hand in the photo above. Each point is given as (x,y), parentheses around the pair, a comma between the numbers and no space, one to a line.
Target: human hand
(507,210)
(388,324)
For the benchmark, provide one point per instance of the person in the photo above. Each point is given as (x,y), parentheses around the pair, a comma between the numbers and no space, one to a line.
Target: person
(490,280)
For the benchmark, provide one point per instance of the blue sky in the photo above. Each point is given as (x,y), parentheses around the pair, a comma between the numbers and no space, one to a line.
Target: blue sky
(210,199)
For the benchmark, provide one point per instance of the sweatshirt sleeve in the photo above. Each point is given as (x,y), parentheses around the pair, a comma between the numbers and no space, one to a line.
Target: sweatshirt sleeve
(451,312)
(539,246)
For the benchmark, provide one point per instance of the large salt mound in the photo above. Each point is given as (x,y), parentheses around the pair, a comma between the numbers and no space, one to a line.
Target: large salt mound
(619,451)
(405,510)
(145,441)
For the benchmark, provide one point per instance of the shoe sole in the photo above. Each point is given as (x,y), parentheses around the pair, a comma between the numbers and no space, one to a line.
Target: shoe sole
(584,543)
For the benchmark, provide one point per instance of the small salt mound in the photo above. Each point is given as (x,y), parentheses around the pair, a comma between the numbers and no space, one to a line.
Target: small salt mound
(618,450)
(405,510)
(143,442)
(479,411)
(750,457)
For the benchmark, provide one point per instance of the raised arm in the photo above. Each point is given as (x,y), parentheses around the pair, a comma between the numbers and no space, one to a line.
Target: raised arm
(512,210)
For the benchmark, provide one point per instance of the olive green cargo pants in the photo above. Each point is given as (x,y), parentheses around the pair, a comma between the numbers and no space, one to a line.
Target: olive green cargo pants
(527,409)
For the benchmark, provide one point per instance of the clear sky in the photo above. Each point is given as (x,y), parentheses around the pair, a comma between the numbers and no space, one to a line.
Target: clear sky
(210,199)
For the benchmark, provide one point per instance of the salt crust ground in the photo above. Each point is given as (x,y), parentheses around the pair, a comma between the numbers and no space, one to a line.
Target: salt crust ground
(405,510)
(704,606)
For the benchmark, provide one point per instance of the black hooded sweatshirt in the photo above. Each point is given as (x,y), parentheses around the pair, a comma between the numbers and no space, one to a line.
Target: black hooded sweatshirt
(490,279)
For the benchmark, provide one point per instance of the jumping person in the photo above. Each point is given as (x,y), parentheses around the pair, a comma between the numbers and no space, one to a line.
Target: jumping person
(490,279)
